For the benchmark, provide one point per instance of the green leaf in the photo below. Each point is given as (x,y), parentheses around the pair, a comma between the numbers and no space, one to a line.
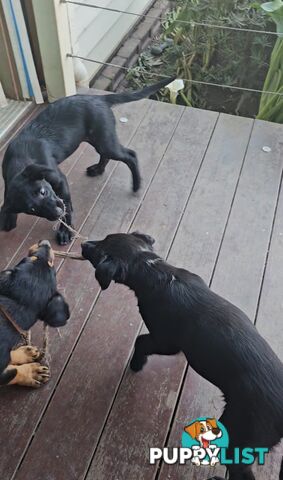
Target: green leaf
(271,7)
(275,10)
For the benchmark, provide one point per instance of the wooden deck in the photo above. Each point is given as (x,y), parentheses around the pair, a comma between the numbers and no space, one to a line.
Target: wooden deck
(212,198)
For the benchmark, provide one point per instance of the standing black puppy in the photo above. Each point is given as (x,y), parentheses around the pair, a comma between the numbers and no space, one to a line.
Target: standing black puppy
(34,184)
(28,292)
(218,340)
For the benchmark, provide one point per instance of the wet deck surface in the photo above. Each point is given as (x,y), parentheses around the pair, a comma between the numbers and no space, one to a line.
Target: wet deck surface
(212,199)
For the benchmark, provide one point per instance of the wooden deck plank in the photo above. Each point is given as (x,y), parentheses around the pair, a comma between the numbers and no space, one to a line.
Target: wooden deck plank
(239,269)
(108,314)
(17,433)
(270,312)
(159,383)
(89,406)
(109,206)
(243,254)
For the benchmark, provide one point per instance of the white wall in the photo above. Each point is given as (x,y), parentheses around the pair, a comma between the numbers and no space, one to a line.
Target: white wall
(96,33)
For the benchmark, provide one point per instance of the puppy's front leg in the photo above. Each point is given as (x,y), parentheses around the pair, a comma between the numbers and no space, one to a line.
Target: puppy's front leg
(144,346)
(8,221)
(98,168)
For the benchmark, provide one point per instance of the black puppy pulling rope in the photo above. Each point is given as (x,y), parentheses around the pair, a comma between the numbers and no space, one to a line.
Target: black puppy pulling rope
(26,335)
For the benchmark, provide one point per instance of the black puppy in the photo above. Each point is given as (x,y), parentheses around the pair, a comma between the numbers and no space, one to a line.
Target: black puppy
(28,292)
(33,182)
(218,340)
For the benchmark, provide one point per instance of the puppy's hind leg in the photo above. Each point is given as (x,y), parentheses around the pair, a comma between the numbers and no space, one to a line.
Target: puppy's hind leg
(129,157)
(108,146)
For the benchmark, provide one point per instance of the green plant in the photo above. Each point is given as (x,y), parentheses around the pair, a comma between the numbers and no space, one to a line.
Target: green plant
(271,106)
(201,53)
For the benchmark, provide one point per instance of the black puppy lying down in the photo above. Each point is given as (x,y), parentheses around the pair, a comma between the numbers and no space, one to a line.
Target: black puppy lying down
(218,340)
(34,184)
(28,292)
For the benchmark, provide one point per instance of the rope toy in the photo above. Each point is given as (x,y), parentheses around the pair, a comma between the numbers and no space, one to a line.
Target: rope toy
(69,227)
(72,255)
(45,355)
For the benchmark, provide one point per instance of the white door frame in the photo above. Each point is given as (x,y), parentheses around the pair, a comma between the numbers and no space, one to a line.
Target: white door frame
(51,18)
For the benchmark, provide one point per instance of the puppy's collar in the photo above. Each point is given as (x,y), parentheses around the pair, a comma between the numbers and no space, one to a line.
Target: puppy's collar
(8,317)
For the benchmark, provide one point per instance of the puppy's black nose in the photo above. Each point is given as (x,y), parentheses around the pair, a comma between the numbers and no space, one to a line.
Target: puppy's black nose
(216,431)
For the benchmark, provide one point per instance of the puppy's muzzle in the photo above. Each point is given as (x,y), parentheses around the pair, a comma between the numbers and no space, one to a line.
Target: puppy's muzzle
(87,246)
(42,249)
(60,209)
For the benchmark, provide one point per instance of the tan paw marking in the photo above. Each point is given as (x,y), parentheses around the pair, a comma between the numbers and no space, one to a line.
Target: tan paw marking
(26,354)
(31,375)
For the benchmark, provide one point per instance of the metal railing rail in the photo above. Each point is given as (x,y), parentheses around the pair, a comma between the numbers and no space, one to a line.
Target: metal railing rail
(157,75)
(192,23)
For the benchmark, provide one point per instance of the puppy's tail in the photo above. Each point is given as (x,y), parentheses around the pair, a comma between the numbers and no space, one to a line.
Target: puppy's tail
(127,97)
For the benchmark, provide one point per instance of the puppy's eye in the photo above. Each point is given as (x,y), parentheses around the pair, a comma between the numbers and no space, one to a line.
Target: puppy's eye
(42,192)
(201,430)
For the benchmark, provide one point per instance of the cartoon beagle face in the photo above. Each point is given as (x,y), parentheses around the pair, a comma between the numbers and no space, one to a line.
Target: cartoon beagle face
(204,431)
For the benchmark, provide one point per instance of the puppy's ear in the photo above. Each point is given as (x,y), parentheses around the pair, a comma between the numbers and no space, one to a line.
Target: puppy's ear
(57,311)
(191,430)
(35,172)
(106,270)
(146,238)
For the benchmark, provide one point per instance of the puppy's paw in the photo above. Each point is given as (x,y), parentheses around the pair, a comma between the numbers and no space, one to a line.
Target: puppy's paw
(8,221)
(94,170)
(64,236)
(31,375)
(137,363)
(25,354)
